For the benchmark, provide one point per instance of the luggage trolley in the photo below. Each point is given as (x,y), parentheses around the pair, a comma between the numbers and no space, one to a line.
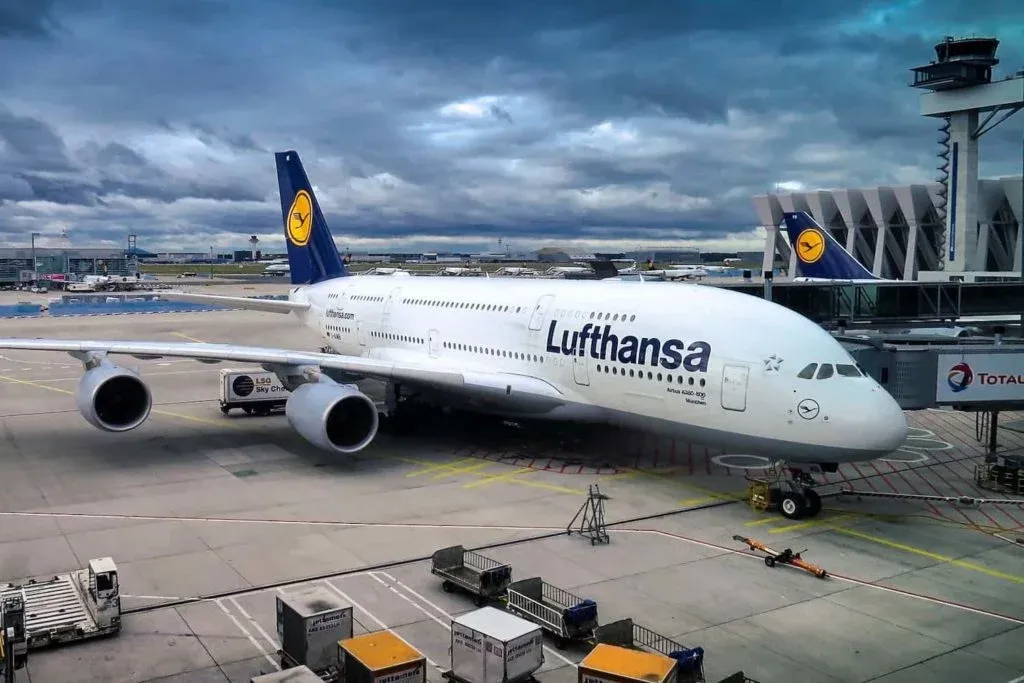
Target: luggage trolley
(482,577)
(565,616)
(625,633)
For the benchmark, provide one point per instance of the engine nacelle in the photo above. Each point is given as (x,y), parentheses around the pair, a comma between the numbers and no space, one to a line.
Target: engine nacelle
(113,399)
(335,417)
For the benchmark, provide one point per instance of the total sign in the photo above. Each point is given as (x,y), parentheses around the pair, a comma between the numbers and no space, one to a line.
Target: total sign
(979,377)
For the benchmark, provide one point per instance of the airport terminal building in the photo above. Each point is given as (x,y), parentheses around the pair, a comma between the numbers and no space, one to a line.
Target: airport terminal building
(900,232)
(16,263)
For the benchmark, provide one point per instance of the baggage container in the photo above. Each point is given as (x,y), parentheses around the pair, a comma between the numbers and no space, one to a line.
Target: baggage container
(309,626)
(625,633)
(492,646)
(380,657)
(613,664)
(254,391)
(482,577)
(299,674)
(566,616)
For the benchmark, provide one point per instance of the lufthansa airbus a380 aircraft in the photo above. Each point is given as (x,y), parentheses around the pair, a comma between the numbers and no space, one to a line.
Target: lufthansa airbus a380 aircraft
(697,363)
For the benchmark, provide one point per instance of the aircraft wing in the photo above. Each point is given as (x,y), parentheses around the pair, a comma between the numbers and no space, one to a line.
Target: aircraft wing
(434,374)
(247,303)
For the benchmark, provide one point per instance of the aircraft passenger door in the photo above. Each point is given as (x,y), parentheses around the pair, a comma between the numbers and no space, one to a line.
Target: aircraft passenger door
(434,343)
(361,333)
(581,370)
(734,387)
(540,311)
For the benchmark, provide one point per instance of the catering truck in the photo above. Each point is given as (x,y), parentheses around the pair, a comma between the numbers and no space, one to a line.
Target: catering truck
(257,392)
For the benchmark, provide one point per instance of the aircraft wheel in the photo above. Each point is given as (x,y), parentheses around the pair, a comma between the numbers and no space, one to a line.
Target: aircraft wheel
(792,505)
(813,502)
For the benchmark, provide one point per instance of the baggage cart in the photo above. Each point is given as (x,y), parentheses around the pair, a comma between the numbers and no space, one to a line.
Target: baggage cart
(626,633)
(378,657)
(565,616)
(480,576)
(492,646)
(613,664)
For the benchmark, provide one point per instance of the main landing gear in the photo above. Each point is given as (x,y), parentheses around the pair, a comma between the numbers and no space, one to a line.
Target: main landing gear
(789,490)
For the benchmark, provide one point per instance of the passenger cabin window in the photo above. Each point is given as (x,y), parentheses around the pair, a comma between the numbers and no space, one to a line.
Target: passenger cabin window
(848,370)
(825,371)
(808,372)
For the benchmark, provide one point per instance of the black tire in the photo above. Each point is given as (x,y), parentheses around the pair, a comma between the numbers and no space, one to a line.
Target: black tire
(447,586)
(813,502)
(248,410)
(561,643)
(792,505)
(225,409)
(769,561)
(479,601)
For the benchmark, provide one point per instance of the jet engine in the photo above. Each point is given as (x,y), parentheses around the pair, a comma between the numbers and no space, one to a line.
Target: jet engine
(113,399)
(335,417)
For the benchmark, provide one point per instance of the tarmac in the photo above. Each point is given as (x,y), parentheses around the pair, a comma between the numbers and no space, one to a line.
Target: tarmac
(197,504)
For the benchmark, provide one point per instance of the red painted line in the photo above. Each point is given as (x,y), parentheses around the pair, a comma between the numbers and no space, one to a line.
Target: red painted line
(935,510)
(580,470)
(561,470)
(863,477)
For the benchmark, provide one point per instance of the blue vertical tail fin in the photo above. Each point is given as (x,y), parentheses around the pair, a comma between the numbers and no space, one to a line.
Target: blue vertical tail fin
(818,254)
(312,255)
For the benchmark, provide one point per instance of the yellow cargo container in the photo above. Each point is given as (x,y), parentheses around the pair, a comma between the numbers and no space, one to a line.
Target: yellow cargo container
(380,657)
(612,664)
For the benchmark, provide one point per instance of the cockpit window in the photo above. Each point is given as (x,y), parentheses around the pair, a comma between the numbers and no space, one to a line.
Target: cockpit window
(808,372)
(825,371)
(848,370)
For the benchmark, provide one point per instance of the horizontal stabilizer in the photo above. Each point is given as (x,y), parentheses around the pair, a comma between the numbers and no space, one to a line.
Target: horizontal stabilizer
(243,302)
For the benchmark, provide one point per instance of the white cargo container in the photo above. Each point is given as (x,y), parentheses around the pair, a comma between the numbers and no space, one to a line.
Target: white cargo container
(493,646)
(254,391)
(309,625)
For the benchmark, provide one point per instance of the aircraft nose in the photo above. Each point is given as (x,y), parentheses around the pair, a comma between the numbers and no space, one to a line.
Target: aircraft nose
(887,427)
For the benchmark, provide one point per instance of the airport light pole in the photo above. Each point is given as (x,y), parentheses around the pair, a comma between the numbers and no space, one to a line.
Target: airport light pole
(34,263)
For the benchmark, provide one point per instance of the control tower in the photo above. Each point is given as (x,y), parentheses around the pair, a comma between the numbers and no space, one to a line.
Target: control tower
(960,89)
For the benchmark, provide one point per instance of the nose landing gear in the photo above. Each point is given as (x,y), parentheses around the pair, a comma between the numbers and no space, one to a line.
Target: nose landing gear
(788,490)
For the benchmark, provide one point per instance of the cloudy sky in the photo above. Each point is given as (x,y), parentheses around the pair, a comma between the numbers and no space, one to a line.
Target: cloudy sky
(453,123)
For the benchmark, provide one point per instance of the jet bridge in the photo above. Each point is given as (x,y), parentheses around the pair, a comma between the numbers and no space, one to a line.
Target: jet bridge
(973,374)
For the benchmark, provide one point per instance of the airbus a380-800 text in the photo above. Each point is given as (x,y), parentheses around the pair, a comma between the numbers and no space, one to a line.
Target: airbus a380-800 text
(694,362)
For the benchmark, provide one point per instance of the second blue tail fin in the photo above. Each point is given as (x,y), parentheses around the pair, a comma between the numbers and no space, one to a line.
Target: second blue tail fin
(312,255)
(818,254)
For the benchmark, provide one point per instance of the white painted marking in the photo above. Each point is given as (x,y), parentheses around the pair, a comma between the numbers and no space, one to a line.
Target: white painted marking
(330,586)
(723,461)
(229,520)
(857,582)
(273,641)
(153,597)
(146,374)
(442,611)
(255,643)
(373,575)
(1019,679)
(921,458)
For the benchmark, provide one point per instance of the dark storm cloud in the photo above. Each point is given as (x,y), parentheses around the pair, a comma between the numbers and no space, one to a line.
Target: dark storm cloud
(531,121)
(26,18)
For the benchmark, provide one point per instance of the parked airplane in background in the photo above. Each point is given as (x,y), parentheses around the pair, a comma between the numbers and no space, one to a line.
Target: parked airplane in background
(277,269)
(672,360)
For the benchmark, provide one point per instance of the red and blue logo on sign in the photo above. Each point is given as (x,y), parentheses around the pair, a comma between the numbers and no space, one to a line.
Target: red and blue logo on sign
(960,377)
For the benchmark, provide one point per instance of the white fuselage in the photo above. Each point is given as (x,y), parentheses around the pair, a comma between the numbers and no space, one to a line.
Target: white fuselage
(698,363)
